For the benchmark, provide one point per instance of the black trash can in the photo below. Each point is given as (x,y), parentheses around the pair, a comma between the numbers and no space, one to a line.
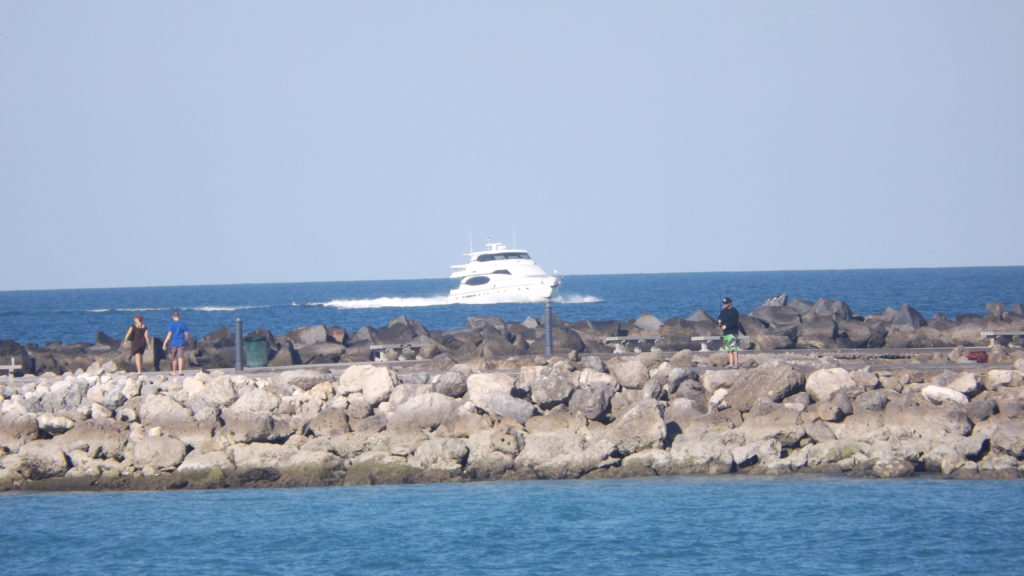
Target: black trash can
(255,351)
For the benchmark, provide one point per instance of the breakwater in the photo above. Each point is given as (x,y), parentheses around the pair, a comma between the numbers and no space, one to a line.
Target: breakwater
(552,417)
(484,404)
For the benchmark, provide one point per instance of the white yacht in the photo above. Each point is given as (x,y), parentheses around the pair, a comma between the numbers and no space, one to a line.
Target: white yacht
(501,274)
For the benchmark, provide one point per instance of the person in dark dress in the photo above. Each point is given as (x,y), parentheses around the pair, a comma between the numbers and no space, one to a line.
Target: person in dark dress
(137,340)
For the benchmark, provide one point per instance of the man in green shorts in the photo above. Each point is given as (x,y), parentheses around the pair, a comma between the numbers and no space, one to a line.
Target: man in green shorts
(729,322)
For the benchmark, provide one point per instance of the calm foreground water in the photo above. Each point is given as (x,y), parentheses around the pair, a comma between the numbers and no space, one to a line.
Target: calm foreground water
(706,525)
(68,316)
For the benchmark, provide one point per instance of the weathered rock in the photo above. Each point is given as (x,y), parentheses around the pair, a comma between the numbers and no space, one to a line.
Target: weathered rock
(374,382)
(160,452)
(630,372)
(826,383)
(307,336)
(593,397)
(549,386)
(426,411)
(302,379)
(39,459)
(493,394)
(17,429)
(642,427)
(772,382)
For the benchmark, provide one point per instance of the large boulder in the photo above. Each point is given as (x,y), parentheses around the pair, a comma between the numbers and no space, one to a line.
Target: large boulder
(818,333)
(165,412)
(17,429)
(593,397)
(549,386)
(40,459)
(158,452)
(824,384)
(424,411)
(307,336)
(630,372)
(492,392)
(776,316)
(302,379)
(559,455)
(640,428)
(773,382)
(98,437)
(374,382)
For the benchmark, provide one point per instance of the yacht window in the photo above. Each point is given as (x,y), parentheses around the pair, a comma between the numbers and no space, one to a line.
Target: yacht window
(501,272)
(485,258)
(477,280)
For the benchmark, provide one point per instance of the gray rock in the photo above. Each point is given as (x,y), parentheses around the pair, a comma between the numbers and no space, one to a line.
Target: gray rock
(374,382)
(772,382)
(449,383)
(776,316)
(165,412)
(40,459)
(493,393)
(629,372)
(640,428)
(593,397)
(423,412)
(16,430)
(552,386)
(302,379)
(160,452)
(307,336)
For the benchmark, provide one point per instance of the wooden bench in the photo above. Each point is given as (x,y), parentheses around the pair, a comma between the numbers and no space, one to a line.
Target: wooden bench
(992,336)
(622,343)
(705,339)
(11,368)
(377,350)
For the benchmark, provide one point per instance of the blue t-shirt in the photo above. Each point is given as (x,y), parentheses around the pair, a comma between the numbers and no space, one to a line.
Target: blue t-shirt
(177,329)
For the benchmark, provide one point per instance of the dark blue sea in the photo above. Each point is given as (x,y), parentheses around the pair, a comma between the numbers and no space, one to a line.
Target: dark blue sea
(663,526)
(68,316)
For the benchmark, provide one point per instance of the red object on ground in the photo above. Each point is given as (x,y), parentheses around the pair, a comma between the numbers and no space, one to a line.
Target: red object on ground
(979,356)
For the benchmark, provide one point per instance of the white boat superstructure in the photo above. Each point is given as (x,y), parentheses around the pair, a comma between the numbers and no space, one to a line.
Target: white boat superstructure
(501,274)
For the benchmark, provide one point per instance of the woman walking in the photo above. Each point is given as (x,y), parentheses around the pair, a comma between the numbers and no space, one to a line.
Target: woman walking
(137,339)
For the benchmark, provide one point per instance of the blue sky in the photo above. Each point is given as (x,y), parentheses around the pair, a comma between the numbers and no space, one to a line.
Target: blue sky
(218,142)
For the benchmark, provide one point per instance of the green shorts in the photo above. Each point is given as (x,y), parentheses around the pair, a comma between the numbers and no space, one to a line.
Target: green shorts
(730,343)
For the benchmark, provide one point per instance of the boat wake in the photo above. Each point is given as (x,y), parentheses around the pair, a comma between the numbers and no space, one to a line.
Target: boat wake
(576,299)
(386,302)
(422,302)
(182,308)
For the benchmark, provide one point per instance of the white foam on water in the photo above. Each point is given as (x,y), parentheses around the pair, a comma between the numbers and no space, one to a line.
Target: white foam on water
(222,308)
(577,299)
(385,302)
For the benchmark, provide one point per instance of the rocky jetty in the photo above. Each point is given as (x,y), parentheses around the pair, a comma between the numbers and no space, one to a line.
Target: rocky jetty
(821,390)
(781,323)
(570,416)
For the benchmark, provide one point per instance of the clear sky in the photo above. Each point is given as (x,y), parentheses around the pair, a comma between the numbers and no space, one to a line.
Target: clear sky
(147,143)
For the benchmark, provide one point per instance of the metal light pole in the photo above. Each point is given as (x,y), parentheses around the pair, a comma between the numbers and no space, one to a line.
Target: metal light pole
(238,345)
(547,326)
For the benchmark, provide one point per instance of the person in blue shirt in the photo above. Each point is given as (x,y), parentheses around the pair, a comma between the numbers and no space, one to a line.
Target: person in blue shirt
(177,337)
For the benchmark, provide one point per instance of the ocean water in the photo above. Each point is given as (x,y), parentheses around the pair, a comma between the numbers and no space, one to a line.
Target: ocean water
(68,316)
(671,526)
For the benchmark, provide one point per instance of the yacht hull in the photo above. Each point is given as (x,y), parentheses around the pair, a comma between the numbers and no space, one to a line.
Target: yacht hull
(501,274)
(523,290)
